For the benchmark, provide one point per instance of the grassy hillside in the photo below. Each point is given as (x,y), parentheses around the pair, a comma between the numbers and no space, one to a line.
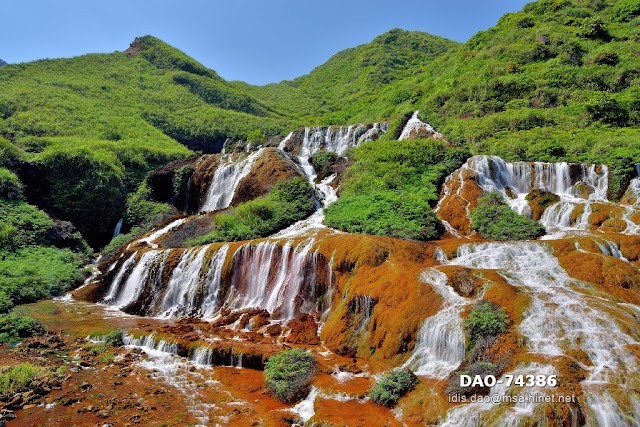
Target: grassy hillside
(343,89)
(97,124)
(557,81)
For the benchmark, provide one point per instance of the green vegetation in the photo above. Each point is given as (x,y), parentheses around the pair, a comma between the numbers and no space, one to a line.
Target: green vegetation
(486,320)
(494,219)
(322,162)
(30,268)
(19,378)
(14,327)
(288,374)
(391,386)
(389,188)
(10,185)
(114,338)
(288,202)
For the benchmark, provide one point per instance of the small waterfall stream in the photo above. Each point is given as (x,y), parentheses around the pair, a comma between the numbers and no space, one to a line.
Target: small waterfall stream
(440,347)
(564,316)
(225,180)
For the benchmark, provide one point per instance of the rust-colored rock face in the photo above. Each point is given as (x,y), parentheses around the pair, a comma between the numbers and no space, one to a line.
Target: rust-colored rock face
(269,169)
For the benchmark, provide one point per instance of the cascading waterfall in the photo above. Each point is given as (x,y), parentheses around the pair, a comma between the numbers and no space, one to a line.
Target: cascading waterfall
(578,186)
(225,180)
(566,315)
(338,140)
(280,278)
(440,347)
(416,128)
(274,277)
(147,269)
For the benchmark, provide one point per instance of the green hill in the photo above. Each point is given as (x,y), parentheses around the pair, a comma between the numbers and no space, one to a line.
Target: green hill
(557,81)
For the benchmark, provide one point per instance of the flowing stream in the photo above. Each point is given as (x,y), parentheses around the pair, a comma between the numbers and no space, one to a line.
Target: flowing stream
(565,315)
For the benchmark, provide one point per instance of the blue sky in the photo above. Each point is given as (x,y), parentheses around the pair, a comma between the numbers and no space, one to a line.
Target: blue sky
(258,41)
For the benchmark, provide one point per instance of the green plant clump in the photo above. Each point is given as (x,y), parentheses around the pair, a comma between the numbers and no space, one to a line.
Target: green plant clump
(114,338)
(14,327)
(288,202)
(485,320)
(494,219)
(389,388)
(288,374)
(19,378)
(391,186)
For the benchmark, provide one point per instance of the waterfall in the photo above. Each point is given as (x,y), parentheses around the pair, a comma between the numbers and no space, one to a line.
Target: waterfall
(213,283)
(338,139)
(416,128)
(148,268)
(280,279)
(149,240)
(581,188)
(182,289)
(440,347)
(116,231)
(225,180)
(565,315)
(363,306)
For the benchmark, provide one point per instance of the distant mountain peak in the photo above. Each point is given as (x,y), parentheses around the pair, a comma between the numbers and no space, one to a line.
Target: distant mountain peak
(2,63)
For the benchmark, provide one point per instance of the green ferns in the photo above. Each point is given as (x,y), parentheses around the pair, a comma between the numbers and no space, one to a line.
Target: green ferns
(494,219)
(288,374)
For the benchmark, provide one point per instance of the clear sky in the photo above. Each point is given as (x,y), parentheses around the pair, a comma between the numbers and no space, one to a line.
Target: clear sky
(257,41)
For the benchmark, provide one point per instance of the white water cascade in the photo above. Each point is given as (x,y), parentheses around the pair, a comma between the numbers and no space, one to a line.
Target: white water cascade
(416,128)
(225,180)
(577,185)
(338,139)
(280,279)
(566,315)
(440,347)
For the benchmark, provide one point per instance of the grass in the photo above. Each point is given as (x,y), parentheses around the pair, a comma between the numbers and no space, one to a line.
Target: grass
(19,378)
(494,219)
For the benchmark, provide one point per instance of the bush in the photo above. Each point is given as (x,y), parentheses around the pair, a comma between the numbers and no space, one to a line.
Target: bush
(13,327)
(22,225)
(322,162)
(10,185)
(143,212)
(494,219)
(114,338)
(389,388)
(395,214)
(288,202)
(288,374)
(390,187)
(485,320)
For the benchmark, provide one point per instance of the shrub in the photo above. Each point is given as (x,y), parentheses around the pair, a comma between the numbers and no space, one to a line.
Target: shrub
(143,212)
(385,213)
(288,374)
(10,185)
(23,225)
(19,378)
(391,386)
(114,338)
(493,219)
(13,327)
(485,320)
(389,188)
(322,162)
(608,110)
